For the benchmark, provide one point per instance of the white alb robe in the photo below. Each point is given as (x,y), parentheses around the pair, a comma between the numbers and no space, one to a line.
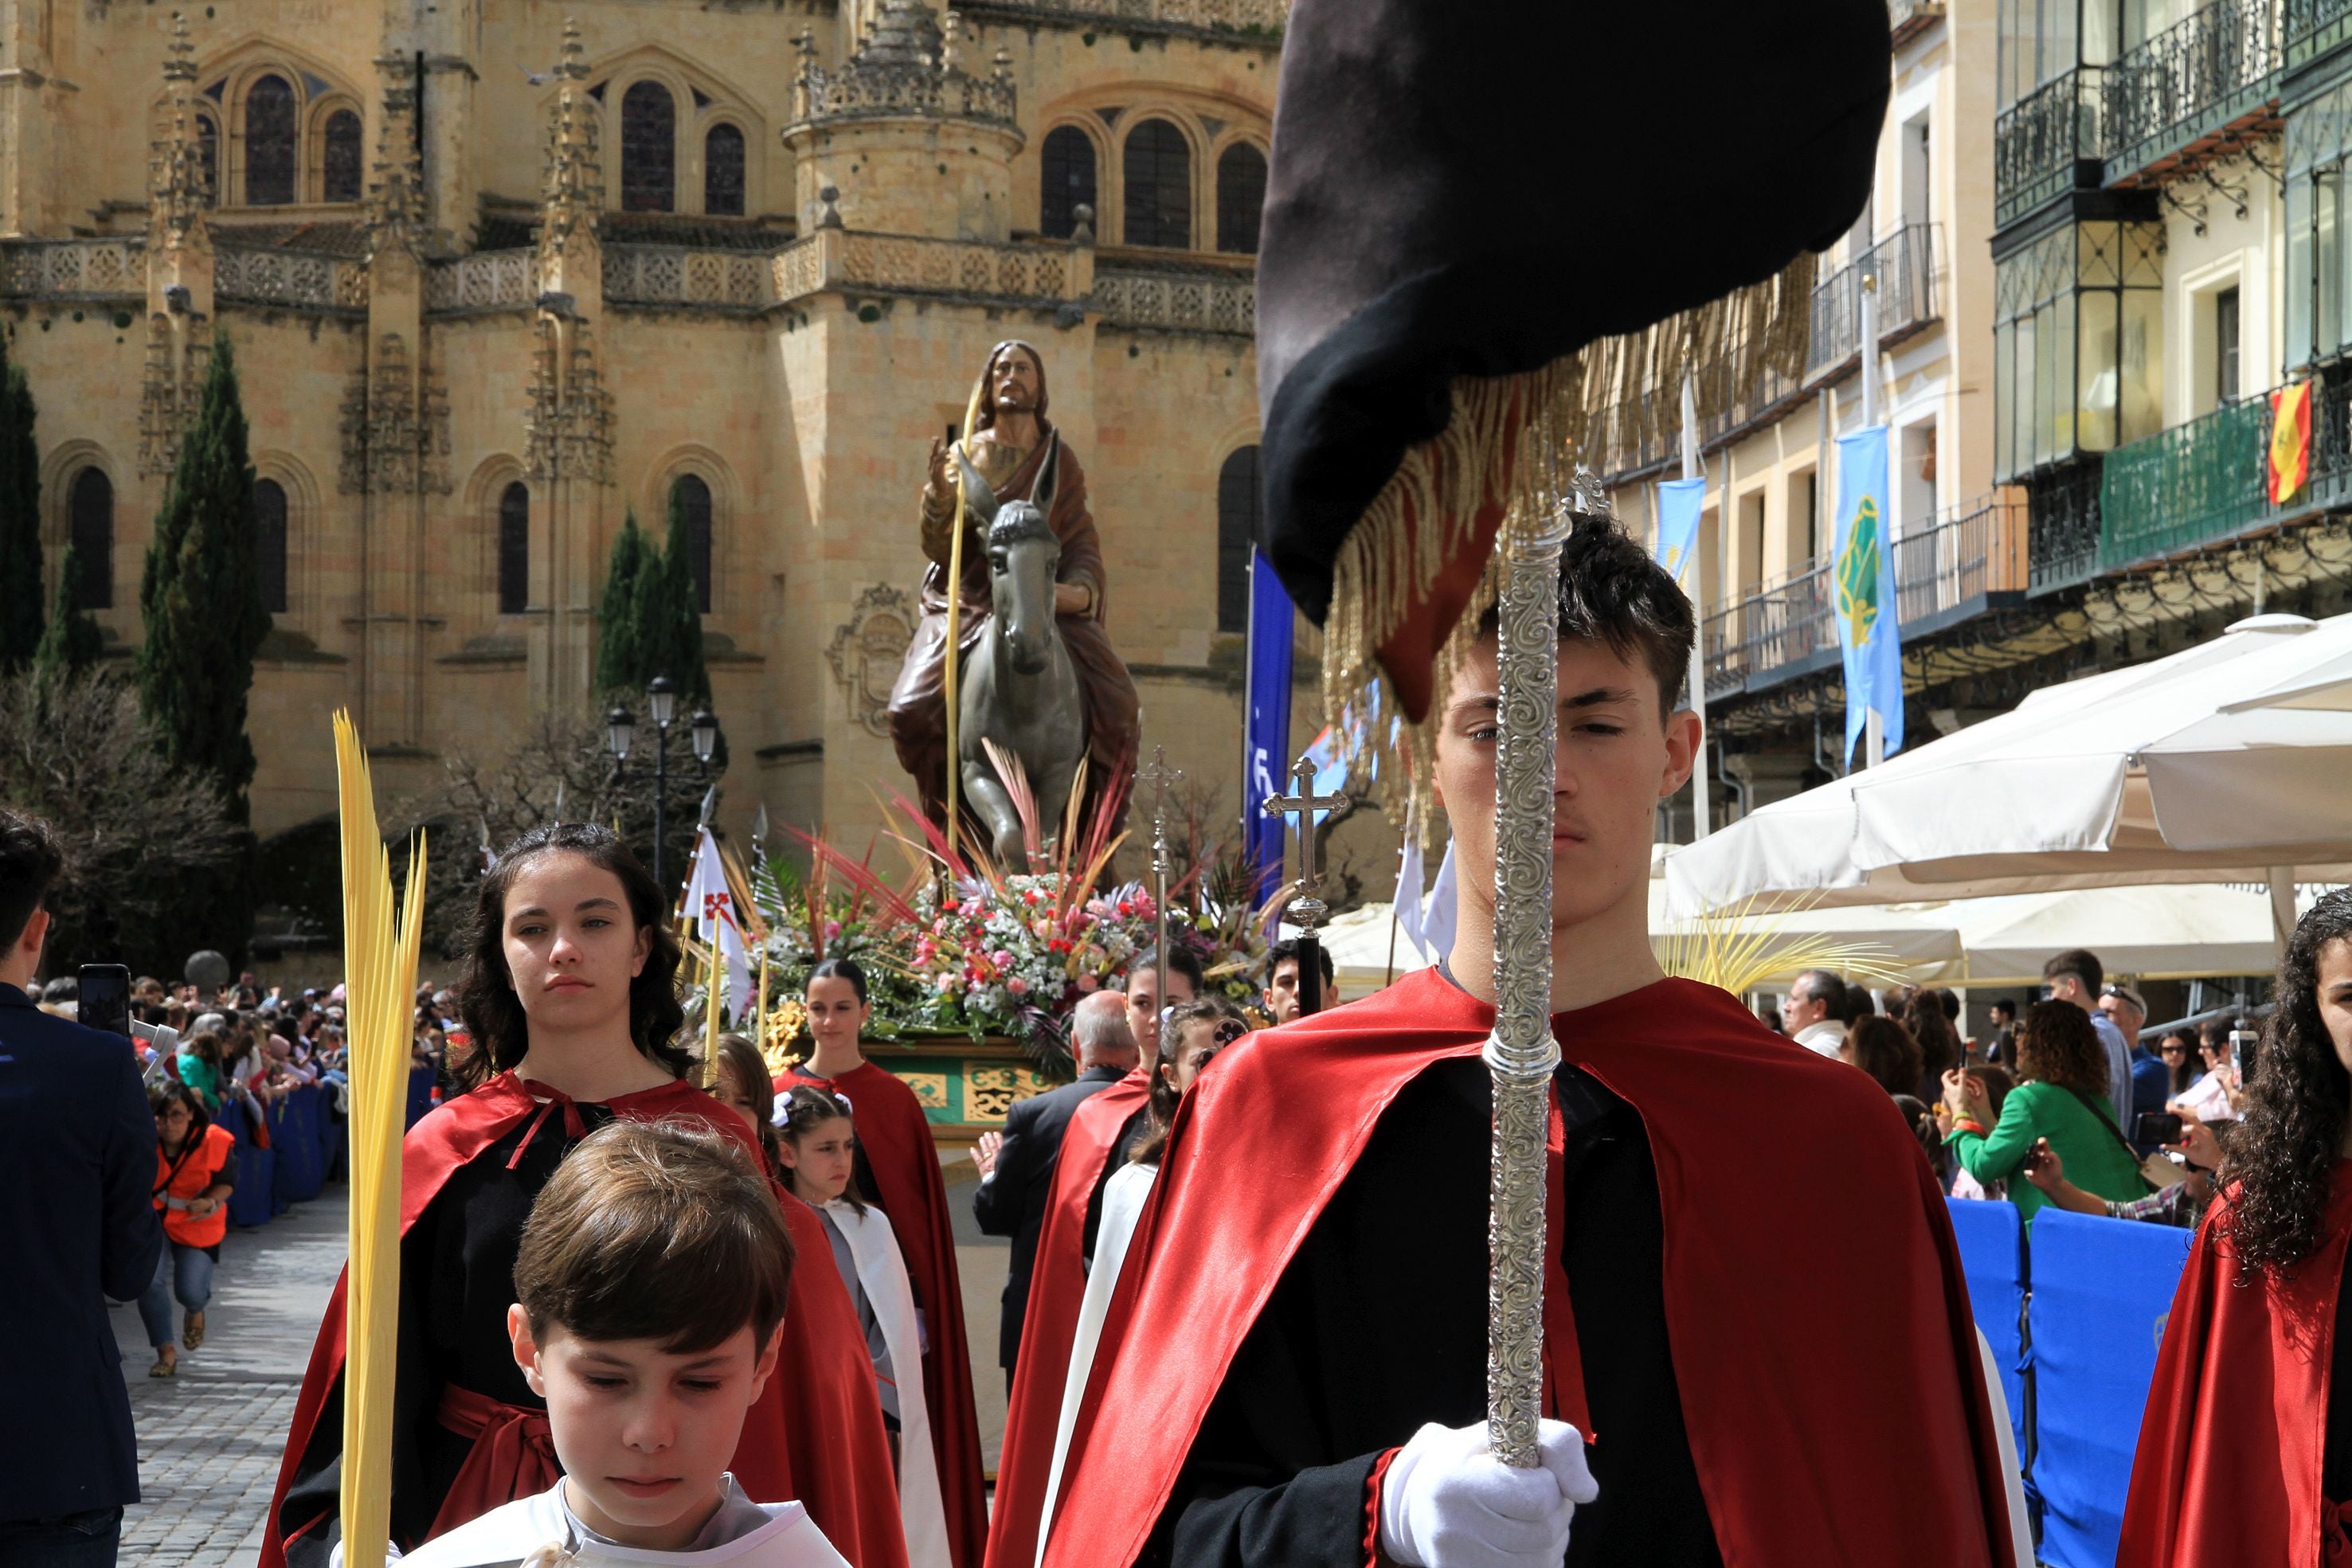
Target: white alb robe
(1122,1205)
(511,1534)
(882,1271)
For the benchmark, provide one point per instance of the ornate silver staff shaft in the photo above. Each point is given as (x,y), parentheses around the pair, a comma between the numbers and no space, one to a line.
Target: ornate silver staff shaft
(1521,1053)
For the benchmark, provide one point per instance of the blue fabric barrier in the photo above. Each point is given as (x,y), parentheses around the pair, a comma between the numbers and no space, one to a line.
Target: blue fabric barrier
(294,1134)
(253,1201)
(2101,1292)
(1992,1255)
(330,1132)
(420,1093)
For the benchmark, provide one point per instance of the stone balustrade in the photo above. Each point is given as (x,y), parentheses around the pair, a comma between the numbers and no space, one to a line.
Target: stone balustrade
(485,280)
(108,268)
(1207,301)
(672,274)
(1262,18)
(296,280)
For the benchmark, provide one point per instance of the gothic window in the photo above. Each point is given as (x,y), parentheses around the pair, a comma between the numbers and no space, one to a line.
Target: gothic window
(514,550)
(269,142)
(1068,182)
(690,505)
(208,156)
(722,171)
(340,157)
(648,149)
(1237,507)
(270,542)
(1158,169)
(1241,196)
(90,513)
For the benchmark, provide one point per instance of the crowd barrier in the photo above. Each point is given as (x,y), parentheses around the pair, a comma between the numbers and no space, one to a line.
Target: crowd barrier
(2077,1313)
(299,1149)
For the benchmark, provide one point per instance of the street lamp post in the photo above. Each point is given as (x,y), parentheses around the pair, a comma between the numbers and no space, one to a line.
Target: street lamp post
(620,729)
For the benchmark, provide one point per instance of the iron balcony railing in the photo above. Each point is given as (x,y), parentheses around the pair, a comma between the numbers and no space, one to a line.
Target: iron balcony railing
(2215,68)
(1903,263)
(2208,479)
(2038,141)
(2063,528)
(1770,629)
(2314,27)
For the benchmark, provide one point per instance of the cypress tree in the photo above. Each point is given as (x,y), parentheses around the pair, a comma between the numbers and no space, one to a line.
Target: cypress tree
(72,642)
(20,519)
(667,619)
(200,596)
(619,645)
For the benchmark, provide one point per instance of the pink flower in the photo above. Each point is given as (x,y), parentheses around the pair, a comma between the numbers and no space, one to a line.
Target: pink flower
(1002,960)
(832,930)
(1086,982)
(1017,987)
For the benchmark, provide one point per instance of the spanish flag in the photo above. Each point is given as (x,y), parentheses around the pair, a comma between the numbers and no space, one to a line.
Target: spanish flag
(2290,441)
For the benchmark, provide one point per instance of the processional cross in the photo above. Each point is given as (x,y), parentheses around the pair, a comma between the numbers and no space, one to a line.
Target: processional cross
(1162,779)
(1305,907)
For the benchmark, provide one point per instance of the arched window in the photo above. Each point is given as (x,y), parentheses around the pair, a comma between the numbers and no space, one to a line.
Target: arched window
(1237,505)
(1240,197)
(92,528)
(648,149)
(690,505)
(1069,181)
(1158,169)
(722,171)
(339,157)
(208,156)
(514,548)
(270,542)
(269,142)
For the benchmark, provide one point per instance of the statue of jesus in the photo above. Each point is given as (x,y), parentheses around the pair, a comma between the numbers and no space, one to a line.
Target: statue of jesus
(1007,445)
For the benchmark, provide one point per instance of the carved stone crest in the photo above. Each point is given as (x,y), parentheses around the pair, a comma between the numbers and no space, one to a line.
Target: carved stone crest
(866,650)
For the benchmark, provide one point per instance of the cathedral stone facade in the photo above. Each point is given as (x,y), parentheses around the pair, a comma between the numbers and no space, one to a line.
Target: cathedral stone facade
(497,273)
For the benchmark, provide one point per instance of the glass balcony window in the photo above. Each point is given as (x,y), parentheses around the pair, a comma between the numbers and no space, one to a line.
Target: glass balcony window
(2078,360)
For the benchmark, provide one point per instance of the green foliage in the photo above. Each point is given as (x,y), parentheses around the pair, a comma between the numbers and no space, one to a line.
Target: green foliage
(200,596)
(667,621)
(20,519)
(618,646)
(71,643)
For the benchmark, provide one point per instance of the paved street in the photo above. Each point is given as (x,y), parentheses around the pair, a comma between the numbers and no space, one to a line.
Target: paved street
(209,1439)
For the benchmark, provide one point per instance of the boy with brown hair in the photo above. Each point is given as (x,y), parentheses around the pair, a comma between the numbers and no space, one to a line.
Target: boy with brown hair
(650,1289)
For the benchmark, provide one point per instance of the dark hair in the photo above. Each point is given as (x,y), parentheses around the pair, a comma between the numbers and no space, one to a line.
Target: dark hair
(1859,1005)
(808,1107)
(1997,1081)
(2081,963)
(657,1230)
(204,1045)
(740,1058)
(1287,950)
(1160,1108)
(1884,1050)
(1824,986)
(2003,1005)
(1940,1050)
(64,988)
(1182,960)
(487,997)
(2281,1155)
(842,969)
(1612,592)
(2056,1044)
(2213,1034)
(30,860)
(2183,1077)
(164,1093)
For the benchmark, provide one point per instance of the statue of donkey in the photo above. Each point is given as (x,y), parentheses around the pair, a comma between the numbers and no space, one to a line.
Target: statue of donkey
(1020,687)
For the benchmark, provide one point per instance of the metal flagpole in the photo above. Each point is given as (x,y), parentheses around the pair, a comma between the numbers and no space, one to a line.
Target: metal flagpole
(1160,776)
(1874,741)
(1521,1054)
(1699,826)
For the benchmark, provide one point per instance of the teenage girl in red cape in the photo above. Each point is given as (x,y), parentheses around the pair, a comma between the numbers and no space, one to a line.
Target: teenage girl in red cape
(2245,1453)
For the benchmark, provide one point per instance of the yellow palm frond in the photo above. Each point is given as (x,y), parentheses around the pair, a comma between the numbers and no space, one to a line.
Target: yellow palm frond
(1739,950)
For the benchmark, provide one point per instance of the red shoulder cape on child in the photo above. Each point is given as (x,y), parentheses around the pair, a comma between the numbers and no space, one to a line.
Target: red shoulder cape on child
(1871,1445)
(816,1406)
(896,1139)
(2228,1469)
(1057,1285)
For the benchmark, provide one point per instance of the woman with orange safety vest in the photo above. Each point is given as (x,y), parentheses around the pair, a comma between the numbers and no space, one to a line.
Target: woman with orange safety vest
(195,1169)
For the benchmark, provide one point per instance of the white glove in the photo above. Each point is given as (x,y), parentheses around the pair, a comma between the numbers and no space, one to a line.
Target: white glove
(1447,1502)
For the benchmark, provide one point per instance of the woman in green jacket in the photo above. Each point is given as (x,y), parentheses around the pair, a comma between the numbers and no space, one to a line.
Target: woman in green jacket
(2062,1098)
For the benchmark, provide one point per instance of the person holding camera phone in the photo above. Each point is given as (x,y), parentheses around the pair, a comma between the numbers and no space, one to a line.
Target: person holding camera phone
(2182,1203)
(2060,1099)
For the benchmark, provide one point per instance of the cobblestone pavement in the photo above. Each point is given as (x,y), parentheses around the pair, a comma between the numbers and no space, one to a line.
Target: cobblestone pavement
(210,1439)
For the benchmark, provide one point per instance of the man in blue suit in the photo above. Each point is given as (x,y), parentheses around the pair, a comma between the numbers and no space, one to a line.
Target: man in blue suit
(77,1225)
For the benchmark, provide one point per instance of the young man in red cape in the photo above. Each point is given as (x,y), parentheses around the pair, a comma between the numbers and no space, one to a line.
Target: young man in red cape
(899,1168)
(817,1434)
(1755,1324)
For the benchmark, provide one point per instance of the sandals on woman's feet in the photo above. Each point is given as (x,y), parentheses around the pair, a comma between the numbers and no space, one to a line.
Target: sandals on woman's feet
(165,1367)
(192,1334)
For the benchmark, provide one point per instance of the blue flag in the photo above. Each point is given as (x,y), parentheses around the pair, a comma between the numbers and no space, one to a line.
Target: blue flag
(1679,501)
(1266,724)
(1861,584)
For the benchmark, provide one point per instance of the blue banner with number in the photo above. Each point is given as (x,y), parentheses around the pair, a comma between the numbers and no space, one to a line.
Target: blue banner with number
(1862,585)
(1266,723)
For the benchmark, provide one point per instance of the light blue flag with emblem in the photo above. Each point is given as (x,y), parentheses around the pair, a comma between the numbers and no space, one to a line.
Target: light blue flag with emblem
(1679,501)
(1862,589)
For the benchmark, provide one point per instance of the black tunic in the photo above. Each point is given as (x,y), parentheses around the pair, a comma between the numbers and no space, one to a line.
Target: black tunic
(1378,1324)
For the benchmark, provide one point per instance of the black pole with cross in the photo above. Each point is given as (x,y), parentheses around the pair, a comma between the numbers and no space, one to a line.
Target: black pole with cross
(1305,907)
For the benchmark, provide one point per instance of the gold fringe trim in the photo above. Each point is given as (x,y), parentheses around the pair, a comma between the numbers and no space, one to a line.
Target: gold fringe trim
(1514,441)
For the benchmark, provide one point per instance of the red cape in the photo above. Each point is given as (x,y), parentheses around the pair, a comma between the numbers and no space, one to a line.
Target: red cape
(1785,1186)
(1057,1285)
(812,1405)
(2228,1469)
(897,1138)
